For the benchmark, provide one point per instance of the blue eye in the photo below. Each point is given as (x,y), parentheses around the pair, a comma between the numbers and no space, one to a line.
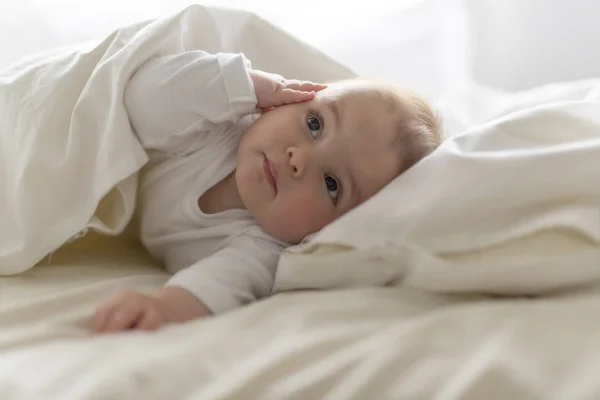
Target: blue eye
(332,187)
(314,125)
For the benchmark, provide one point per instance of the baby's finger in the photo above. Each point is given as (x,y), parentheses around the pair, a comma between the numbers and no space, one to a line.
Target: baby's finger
(289,96)
(105,311)
(305,86)
(123,318)
(150,321)
(100,317)
(266,109)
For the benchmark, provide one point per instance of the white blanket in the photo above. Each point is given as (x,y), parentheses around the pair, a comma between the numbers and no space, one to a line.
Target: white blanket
(68,157)
(511,206)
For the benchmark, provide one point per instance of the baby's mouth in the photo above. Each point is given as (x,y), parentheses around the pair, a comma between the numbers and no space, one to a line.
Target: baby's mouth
(270,173)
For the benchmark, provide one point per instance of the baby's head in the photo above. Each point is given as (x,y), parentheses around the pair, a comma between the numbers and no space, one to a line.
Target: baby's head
(301,166)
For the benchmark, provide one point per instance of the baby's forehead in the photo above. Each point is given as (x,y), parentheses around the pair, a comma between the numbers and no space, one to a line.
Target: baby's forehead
(362,106)
(359,96)
(350,89)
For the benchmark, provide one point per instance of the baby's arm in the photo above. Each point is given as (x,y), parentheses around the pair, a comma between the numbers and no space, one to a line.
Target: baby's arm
(171,98)
(240,273)
(237,274)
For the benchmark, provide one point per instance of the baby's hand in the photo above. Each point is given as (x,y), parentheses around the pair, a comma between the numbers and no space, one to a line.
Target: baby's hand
(274,90)
(134,310)
(130,310)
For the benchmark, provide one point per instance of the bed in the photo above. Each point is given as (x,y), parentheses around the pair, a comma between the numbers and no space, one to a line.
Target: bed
(356,340)
(382,343)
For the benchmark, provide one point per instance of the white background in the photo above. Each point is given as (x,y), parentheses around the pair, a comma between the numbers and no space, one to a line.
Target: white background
(431,45)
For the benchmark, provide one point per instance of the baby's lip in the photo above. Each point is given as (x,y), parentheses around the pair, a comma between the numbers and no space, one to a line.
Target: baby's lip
(270,173)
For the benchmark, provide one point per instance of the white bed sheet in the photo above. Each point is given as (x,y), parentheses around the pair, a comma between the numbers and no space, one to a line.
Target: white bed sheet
(380,343)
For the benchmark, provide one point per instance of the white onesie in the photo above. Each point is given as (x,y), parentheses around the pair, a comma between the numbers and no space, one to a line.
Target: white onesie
(189,111)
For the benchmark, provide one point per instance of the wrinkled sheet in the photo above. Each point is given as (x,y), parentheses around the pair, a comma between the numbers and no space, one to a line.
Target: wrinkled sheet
(380,343)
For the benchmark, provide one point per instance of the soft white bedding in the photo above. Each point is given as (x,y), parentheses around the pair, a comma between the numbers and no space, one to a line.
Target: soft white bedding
(382,343)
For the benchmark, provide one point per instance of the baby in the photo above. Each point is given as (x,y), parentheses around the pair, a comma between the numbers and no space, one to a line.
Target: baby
(244,163)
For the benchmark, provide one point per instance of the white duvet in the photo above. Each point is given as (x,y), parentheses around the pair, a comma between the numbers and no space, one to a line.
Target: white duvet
(508,206)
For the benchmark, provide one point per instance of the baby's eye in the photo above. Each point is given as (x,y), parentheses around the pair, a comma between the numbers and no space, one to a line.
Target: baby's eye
(314,125)
(332,187)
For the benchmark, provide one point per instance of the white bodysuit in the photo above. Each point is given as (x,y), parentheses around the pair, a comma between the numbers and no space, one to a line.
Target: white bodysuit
(189,111)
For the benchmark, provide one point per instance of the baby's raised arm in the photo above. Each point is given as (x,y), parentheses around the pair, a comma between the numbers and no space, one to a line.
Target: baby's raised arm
(172,98)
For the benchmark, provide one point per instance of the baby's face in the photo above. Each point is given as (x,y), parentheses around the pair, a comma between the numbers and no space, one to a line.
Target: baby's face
(301,166)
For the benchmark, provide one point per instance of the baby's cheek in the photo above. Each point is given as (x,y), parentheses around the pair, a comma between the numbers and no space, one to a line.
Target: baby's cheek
(307,213)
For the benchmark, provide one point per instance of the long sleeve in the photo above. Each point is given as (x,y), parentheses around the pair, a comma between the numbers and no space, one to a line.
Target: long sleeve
(171,99)
(238,274)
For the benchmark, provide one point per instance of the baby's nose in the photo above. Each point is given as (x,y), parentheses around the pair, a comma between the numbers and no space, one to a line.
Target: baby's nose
(297,161)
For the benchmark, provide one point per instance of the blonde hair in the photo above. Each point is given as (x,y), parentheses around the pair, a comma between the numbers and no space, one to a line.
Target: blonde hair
(418,127)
